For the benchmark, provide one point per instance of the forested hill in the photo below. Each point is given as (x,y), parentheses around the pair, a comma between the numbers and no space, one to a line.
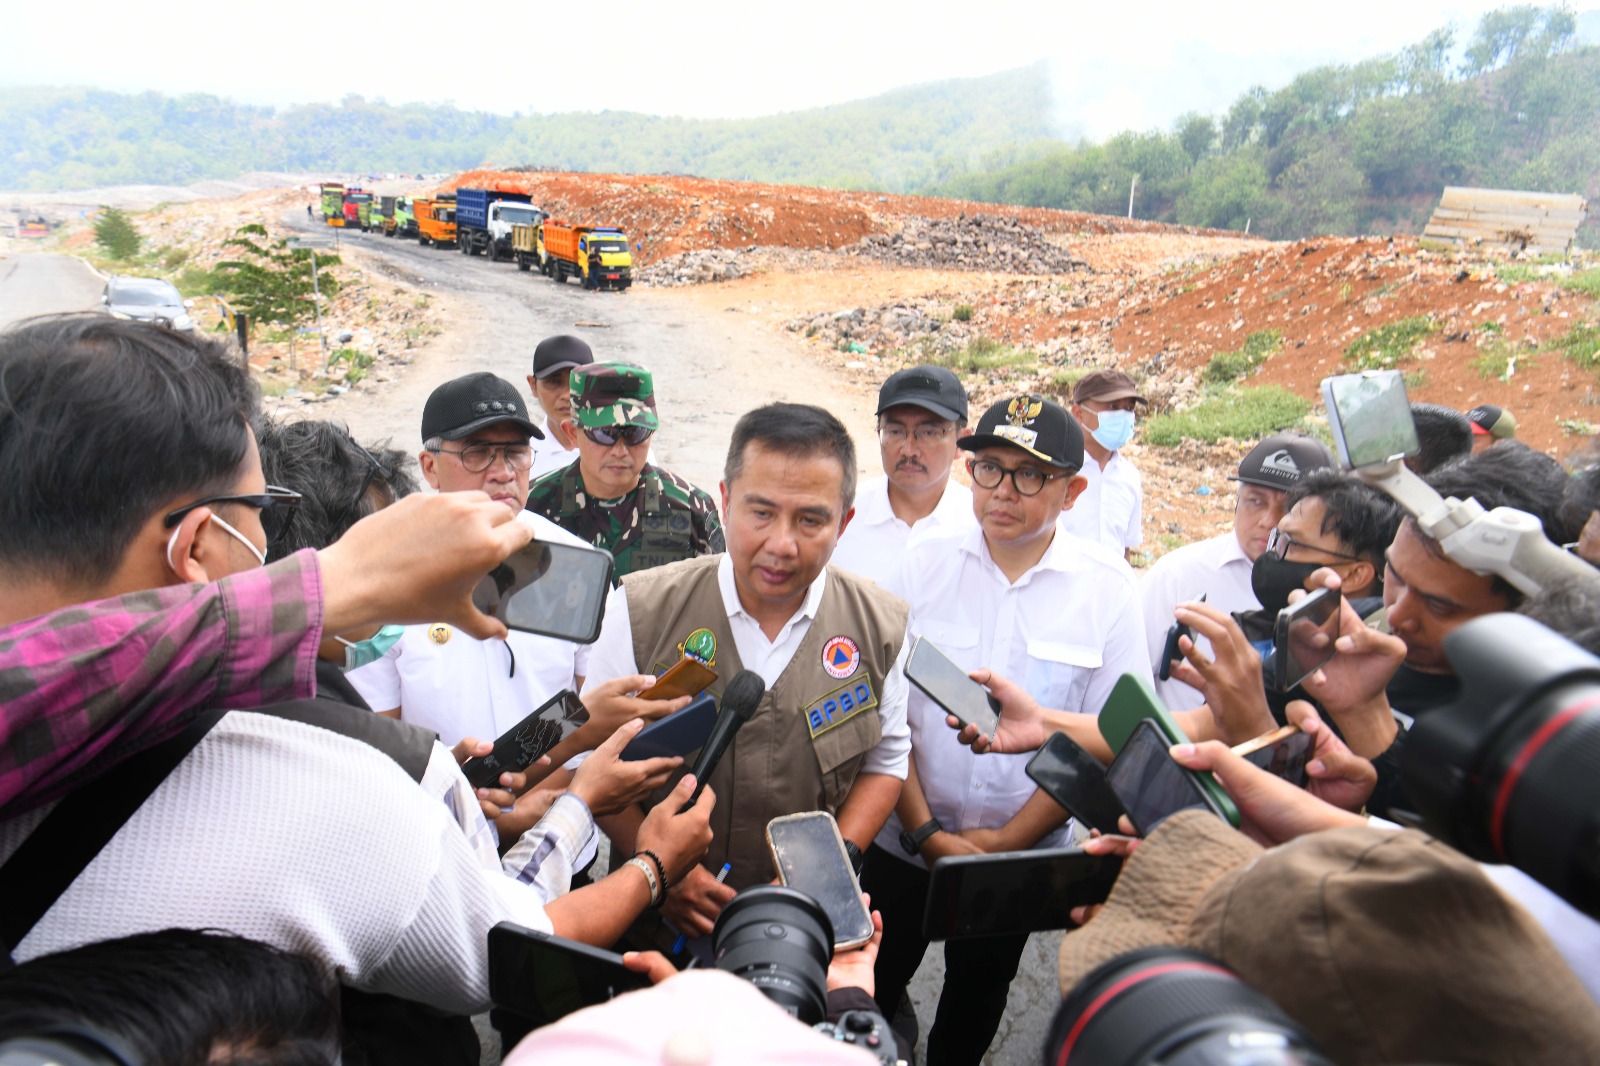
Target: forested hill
(1351,149)
(901,140)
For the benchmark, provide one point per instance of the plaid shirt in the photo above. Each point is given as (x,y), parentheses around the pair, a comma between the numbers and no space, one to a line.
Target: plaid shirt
(86,686)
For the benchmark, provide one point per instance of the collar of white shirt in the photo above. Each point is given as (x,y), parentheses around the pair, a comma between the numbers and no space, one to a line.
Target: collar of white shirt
(1067,554)
(735,609)
(872,504)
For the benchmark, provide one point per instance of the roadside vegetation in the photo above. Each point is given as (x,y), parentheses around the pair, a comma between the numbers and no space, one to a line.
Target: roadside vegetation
(1228,412)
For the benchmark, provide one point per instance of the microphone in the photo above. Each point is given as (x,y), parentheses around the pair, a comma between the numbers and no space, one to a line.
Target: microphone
(739,702)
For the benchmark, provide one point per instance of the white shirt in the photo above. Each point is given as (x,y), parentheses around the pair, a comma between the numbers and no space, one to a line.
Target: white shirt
(548,454)
(306,840)
(872,542)
(444,680)
(1065,631)
(1111,510)
(612,656)
(1217,567)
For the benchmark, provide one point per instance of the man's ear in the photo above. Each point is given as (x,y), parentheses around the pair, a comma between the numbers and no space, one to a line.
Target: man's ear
(722,487)
(1075,486)
(569,428)
(533,386)
(430,471)
(186,555)
(845,521)
(1361,575)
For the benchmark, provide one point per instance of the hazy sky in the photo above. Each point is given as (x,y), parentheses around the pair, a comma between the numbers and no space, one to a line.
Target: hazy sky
(1116,65)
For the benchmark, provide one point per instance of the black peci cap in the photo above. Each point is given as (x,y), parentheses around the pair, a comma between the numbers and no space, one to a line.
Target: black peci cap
(932,388)
(1034,424)
(465,405)
(561,352)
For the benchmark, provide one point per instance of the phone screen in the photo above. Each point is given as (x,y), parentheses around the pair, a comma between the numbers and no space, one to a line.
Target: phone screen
(1014,891)
(810,856)
(519,746)
(678,733)
(1285,758)
(1305,636)
(1076,780)
(1371,417)
(1149,783)
(948,685)
(553,589)
(543,978)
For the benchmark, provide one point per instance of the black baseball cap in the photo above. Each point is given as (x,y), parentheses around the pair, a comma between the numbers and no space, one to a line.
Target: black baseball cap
(561,352)
(1489,420)
(1280,461)
(932,388)
(465,405)
(1034,424)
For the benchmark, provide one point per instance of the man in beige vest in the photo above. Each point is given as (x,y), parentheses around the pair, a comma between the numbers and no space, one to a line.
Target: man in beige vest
(830,733)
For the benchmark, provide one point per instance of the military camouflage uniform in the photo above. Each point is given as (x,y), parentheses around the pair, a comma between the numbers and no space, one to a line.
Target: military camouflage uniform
(663,520)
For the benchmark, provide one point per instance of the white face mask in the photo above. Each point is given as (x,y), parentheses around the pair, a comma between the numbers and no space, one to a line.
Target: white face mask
(261,556)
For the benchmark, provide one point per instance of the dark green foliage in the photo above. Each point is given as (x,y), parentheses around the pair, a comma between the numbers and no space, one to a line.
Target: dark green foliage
(1258,347)
(1389,345)
(114,233)
(272,281)
(1236,413)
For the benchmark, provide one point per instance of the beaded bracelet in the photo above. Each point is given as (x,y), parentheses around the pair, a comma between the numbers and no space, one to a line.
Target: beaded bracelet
(660,869)
(657,896)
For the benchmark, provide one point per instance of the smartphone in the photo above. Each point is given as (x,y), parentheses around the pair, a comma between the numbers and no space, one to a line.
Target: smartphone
(542,978)
(679,733)
(686,677)
(1370,416)
(1132,701)
(1282,752)
(809,854)
(517,748)
(1170,652)
(1304,636)
(553,589)
(948,685)
(1013,891)
(1153,787)
(1076,780)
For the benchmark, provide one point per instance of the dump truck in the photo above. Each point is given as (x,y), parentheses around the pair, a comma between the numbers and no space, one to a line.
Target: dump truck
(357,209)
(332,203)
(484,218)
(397,219)
(596,254)
(378,214)
(436,221)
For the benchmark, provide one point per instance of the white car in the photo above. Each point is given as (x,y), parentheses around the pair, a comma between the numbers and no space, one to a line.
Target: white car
(147,300)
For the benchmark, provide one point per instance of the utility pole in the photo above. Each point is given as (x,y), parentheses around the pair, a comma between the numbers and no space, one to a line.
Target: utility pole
(310,245)
(1131,187)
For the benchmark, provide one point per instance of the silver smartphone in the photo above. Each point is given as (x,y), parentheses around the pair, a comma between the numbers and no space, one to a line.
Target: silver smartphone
(1370,416)
(809,854)
(553,589)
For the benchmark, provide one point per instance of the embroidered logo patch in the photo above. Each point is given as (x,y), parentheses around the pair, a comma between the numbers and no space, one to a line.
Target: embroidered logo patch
(701,646)
(839,706)
(840,657)
(439,633)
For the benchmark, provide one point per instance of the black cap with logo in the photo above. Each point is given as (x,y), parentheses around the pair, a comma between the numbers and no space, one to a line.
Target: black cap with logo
(1280,461)
(932,388)
(1034,424)
(465,405)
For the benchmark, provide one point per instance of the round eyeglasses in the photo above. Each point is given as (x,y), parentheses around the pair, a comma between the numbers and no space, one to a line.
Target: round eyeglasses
(1028,480)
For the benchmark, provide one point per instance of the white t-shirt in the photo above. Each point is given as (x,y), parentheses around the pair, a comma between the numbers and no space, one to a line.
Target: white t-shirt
(872,543)
(444,680)
(1065,631)
(548,454)
(612,656)
(1110,510)
(1217,567)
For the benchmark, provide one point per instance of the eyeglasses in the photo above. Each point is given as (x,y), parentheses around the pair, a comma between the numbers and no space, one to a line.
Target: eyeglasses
(476,458)
(276,505)
(1279,543)
(925,434)
(1028,480)
(607,436)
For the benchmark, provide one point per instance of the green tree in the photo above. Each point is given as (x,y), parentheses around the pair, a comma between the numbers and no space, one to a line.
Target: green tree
(114,233)
(272,282)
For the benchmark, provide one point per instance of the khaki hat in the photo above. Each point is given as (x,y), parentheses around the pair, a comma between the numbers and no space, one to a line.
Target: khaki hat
(1491,421)
(1104,386)
(1387,946)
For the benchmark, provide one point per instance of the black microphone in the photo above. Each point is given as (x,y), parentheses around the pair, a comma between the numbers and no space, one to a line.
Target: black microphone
(739,702)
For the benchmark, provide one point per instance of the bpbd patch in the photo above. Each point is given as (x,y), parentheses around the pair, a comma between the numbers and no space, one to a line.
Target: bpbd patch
(840,705)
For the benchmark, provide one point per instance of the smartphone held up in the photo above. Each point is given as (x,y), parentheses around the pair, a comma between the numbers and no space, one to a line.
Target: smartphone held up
(549,588)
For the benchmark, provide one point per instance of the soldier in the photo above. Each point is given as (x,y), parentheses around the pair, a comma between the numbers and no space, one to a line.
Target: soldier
(611,495)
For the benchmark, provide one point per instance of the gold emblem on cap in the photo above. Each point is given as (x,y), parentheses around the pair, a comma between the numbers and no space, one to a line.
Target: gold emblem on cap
(1023,410)
(439,633)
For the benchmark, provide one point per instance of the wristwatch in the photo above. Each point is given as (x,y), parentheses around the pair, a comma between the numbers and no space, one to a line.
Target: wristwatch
(911,839)
(857,860)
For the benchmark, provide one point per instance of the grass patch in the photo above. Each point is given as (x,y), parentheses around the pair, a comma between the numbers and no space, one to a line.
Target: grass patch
(1415,379)
(1581,344)
(962,313)
(1498,359)
(1389,345)
(984,353)
(1237,413)
(1064,379)
(1584,281)
(1258,347)
(1577,427)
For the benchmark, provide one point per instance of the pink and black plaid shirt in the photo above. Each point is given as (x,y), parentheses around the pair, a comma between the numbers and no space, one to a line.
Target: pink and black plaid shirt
(86,686)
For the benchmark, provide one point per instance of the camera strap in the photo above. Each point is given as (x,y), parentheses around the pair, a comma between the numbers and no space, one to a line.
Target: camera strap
(66,841)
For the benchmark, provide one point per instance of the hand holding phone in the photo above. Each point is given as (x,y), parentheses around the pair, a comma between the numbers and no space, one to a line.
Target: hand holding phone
(686,677)
(1171,652)
(542,978)
(1304,637)
(1282,752)
(520,746)
(1011,892)
(1153,787)
(679,733)
(946,684)
(550,588)
(809,854)
(1076,780)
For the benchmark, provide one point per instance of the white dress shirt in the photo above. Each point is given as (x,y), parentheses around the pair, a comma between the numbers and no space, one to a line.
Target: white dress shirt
(612,656)
(1066,630)
(1217,567)
(872,543)
(1110,510)
(444,680)
(548,454)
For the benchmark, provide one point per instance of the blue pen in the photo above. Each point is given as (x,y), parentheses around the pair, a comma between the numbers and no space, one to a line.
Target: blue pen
(683,938)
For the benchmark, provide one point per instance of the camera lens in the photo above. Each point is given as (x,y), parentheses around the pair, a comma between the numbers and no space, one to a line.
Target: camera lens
(1176,1007)
(780,941)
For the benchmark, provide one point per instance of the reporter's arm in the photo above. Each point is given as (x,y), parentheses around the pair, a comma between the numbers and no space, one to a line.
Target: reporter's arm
(1036,818)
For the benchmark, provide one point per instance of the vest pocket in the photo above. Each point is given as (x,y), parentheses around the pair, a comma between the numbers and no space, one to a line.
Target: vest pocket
(841,751)
(1058,674)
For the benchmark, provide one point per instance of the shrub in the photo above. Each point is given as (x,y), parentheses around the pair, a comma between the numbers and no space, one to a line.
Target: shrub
(1389,345)
(1237,413)
(983,353)
(962,313)
(114,233)
(1258,347)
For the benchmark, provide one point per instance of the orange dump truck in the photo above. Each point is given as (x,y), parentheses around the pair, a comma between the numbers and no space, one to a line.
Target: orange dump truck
(596,254)
(436,221)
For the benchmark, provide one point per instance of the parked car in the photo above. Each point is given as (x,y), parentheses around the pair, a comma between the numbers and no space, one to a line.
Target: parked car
(148,300)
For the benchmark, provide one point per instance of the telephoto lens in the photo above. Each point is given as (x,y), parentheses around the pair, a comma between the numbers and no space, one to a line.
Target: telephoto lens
(1511,772)
(1173,1007)
(781,941)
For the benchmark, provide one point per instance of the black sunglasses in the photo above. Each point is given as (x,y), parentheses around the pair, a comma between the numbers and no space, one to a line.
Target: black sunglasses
(276,505)
(609,435)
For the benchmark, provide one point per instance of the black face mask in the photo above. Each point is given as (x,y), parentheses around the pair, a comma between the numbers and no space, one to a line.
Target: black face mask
(1272,579)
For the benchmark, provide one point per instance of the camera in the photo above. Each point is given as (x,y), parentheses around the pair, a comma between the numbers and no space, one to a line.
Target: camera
(1174,1007)
(1508,773)
(781,941)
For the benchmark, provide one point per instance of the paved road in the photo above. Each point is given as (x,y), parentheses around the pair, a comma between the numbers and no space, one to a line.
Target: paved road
(32,284)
